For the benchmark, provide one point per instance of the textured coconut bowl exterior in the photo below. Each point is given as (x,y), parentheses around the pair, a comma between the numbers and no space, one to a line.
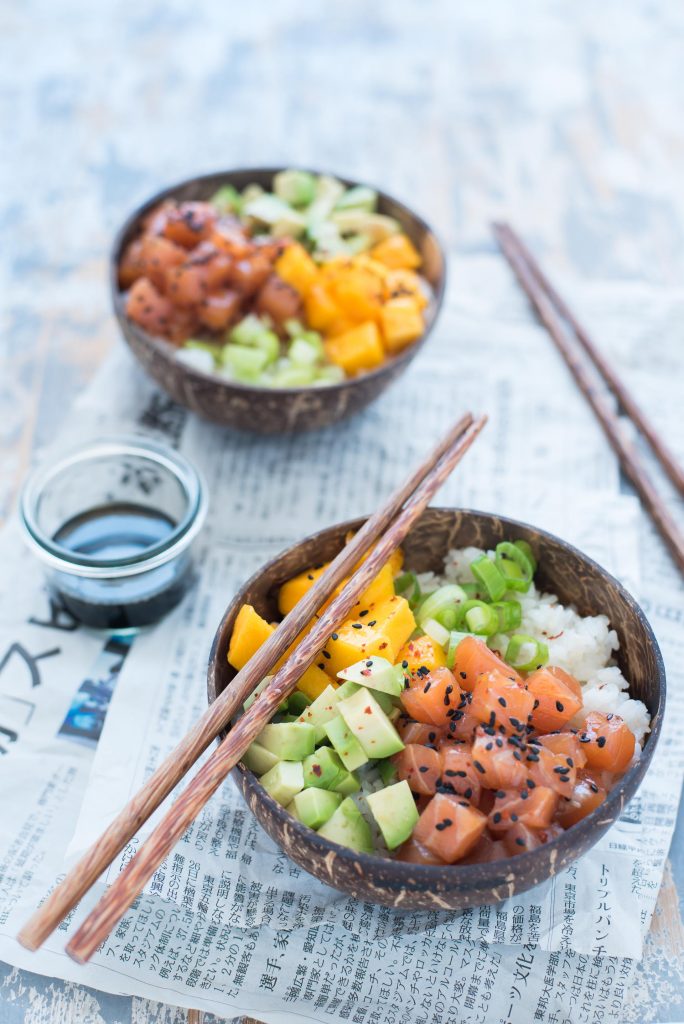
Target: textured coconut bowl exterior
(258,409)
(563,570)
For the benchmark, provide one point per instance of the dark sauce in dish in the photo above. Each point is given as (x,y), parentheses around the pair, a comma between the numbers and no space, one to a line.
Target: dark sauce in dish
(114,533)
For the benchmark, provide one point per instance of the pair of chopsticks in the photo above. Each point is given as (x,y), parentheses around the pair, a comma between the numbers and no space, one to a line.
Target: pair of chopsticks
(378,538)
(556,316)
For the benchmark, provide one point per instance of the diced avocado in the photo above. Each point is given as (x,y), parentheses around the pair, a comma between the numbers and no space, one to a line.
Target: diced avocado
(226,199)
(328,191)
(258,759)
(267,208)
(376,225)
(257,690)
(387,771)
(360,197)
(297,188)
(348,827)
(290,741)
(314,807)
(377,674)
(321,711)
(346,783)
(323,768)
(345,743)
(297,702)
(284,781)
(346,689)
(286,717)
(370,724)
(395,811)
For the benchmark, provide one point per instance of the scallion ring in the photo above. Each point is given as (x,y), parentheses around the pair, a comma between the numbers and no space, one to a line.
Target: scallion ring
(525,653)
(515,566)
(490,576)
(479,618)
(510,614)
(448,596)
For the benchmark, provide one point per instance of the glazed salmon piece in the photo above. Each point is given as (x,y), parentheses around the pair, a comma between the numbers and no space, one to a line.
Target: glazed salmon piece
(249,274)
(229,239)
(186,285)
(501,702)
(585,798)
(157,255)
(149,308)
(189,223)
(130,264)
(546,768)
(486,850)
(419,732)
(521,839)
(608,743)
(182,324)
(566,743)
(458,773)
(430,698)
(557,695)
(501,765)
(279,300)
(413,852)
(473,657)
(534,808)
(420,766)
(449,827)
(217,311)
(216,264)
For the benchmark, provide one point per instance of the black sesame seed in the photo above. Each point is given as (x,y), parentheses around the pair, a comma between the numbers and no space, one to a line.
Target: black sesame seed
(423,768)
(450,773)
(468,792)
(514,816)
(530,783)
(601,741)
(460,774)
(404,664)
(501,793)
(463,675)
(479,767)
(327,655)
(499,742)
(517,755)
(523,794)
(559,706)
(321,664)
(502,702)
(488,746)
(496,817)
(427,686)
(535,705)
(374,622)
(309,576)
(334,636)
(357,625)
(520,842)
(369,664)
(432,736)
(570,761)
(363,613)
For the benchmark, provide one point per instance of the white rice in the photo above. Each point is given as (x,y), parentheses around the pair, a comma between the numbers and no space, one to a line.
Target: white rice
(583,646)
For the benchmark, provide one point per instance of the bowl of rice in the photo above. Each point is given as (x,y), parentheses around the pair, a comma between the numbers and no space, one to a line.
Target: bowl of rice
(590,629)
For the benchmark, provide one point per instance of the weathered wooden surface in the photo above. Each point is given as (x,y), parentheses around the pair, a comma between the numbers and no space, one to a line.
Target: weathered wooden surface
(566,119)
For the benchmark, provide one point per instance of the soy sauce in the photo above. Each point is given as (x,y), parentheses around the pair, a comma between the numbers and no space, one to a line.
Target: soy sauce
(116,532)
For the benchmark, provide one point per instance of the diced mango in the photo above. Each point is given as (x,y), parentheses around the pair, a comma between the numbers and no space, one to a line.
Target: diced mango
(250,632)
(423,651)
(395,560)
(297,268)
(397,251)
(320,307)
(405,284)
(383,631)
(374,266)
(379,589)
(358,294)
(356,350)
(401,323)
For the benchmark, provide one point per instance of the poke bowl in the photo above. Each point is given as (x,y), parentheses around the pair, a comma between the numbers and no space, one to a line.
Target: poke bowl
(275,325)
(462,803)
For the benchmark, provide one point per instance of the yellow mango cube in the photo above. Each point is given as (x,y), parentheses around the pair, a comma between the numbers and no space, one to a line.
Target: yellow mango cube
(320,308)
(358,294)
(401,322)
(402,284)
(395,560)
(420,652)
(356,350)
(297,268)
(397,251)
(383,631)
(251,631)
(294,590)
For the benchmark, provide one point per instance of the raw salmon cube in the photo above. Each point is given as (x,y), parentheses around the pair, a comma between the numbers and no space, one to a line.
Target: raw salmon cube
(535,808)
(501,702)
(186,285)
(419,732)
(473,657)
(585,798)
(218,310)
(547,768)
(432,698)
(557,695)
(486,850)
(189,223)
(521,839)
(449,827)
(420,766)
(148,308)
(608,742)
(414,852)
(566,743)
(459,775)
(500,763)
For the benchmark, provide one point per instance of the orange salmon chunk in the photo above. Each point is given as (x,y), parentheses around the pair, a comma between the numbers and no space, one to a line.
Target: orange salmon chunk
(608,742)
(557,696)
(501,702)
(473,657)
(449,827)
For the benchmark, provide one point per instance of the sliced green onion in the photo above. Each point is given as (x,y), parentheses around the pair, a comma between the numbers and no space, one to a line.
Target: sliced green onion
(479,618)
(510,614)
(455,638)
(407,586)
(527,550)
(515,566)
(475,592)
(436,631)
(490,576)
(449,596)
(525,653)
(498,642)
(448,618)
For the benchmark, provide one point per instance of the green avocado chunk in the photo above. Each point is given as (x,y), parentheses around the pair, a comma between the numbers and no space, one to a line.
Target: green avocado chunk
(395,811)
(321,711)
(313,807)
(377,674)
(345,743)
(348,827)
(258,759)
(323,768)
(284,781)
(290,741)
(370,725)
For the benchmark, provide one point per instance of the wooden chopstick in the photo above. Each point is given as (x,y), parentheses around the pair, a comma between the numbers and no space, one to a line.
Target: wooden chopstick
(666,458)
(121,894)
(550,317)
(170,772)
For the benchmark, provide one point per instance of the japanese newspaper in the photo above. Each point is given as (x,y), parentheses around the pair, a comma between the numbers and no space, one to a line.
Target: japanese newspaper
(228,923)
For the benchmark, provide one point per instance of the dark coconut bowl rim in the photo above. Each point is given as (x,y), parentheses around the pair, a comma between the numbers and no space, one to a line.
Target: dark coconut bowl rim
(621,793)
(167,350)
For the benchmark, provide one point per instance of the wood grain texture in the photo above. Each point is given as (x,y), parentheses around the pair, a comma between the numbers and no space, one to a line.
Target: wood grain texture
(174,767)
(119,896)
(566,120)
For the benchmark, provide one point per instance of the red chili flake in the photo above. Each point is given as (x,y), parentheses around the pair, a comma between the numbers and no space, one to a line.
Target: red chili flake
(556,636)
(316,769)
(368,710)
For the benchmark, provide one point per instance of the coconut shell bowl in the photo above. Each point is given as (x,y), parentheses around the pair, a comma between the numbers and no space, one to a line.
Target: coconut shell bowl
(562,570)
(266,410)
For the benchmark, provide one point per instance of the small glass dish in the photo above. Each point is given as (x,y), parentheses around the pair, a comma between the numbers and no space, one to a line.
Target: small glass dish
(113,524)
